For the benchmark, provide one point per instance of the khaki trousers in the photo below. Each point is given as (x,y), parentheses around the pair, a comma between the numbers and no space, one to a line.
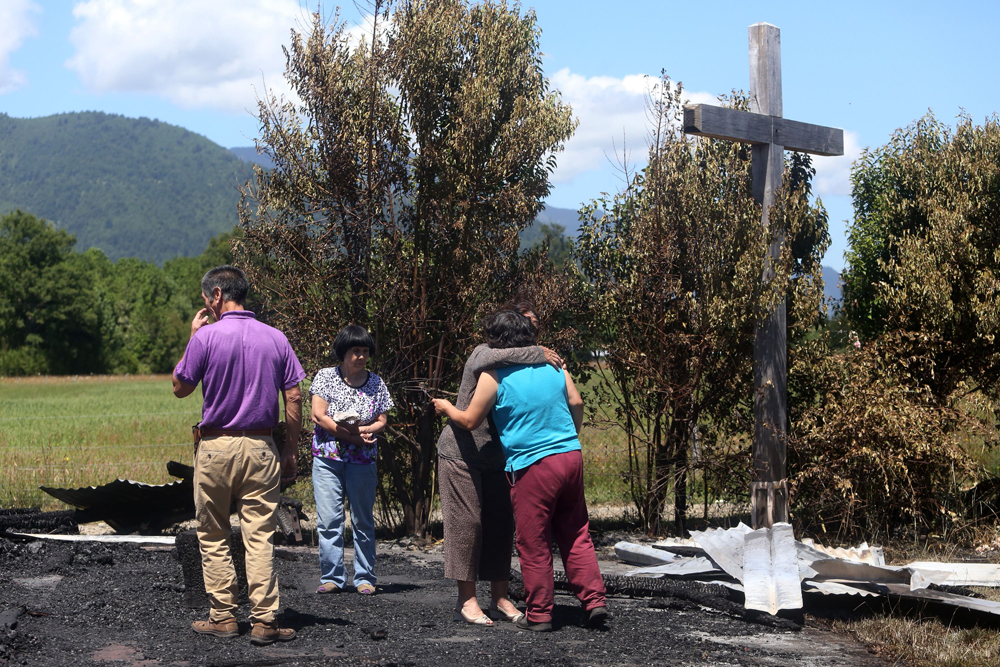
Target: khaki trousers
(245,471)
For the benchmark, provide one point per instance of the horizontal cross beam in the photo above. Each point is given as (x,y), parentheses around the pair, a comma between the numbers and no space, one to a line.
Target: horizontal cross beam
(707,120)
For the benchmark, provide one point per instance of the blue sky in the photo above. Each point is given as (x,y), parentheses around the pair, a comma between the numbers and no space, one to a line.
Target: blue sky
(867,67)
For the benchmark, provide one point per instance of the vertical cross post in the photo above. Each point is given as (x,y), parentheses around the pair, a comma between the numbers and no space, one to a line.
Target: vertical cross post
(769,490)
(770,135)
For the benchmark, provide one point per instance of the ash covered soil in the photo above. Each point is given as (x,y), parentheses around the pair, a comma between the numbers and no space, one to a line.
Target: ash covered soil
(123,605)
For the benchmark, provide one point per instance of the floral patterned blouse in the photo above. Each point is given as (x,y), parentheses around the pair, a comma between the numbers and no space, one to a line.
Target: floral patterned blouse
(369,401)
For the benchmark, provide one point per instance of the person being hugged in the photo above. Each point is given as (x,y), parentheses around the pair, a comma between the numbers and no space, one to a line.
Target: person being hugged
(349,406)
(538,412)
(475,494)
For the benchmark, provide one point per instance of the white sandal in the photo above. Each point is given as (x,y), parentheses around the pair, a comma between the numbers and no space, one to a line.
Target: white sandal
(482,620)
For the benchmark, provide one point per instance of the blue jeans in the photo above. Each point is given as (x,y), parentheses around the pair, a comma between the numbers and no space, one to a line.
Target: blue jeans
(331,480)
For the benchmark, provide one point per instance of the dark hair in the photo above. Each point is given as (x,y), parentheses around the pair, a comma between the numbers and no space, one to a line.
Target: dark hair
(521,306)
(230,280)
(526,308)
(353,336)
(508,328)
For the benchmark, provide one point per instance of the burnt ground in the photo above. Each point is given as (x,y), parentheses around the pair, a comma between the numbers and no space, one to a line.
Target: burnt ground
(123,605)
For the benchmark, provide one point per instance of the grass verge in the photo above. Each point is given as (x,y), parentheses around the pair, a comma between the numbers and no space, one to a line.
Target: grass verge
(924,642)
(89,430)
(80,431)
(912,637)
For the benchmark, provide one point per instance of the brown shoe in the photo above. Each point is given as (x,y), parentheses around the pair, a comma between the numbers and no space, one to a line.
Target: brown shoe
(264,634)
(224,628)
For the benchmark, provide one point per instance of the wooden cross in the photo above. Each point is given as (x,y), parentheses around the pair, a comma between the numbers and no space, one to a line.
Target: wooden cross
(770,135)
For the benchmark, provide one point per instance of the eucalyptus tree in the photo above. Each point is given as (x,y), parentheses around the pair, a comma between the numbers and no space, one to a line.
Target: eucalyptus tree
(674,264)
(405,167)
(885,444)
(923,254)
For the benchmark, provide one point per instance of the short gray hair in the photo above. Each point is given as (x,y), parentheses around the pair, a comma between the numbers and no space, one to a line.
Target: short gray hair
(230,280)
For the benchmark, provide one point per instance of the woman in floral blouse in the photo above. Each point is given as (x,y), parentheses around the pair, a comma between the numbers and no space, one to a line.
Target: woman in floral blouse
(349,406)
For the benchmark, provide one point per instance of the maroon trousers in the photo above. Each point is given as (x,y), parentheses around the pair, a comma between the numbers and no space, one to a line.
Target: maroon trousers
(548,502)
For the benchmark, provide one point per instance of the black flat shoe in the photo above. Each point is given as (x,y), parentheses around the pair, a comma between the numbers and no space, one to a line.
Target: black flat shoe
(524,624)
(596,617)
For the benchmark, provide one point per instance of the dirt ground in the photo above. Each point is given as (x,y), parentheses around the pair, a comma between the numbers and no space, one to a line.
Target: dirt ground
(123,606)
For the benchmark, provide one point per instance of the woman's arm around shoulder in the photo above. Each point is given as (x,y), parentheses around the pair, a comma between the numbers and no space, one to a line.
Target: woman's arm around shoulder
(486,358)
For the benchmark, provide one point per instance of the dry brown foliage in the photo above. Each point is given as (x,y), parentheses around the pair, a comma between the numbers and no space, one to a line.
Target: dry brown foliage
(874,453)
(404,172)
(674,266)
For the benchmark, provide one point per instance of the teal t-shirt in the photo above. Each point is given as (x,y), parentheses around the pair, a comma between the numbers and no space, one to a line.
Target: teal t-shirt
(532,415)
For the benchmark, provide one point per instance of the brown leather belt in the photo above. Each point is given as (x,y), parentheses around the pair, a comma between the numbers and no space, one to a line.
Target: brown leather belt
(233,433)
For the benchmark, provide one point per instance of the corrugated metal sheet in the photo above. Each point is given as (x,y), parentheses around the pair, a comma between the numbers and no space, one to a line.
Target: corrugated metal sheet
(771,570)
(640,554)
(127,494)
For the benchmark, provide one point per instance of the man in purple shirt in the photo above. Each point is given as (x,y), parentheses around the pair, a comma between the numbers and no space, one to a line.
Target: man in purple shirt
(242,365)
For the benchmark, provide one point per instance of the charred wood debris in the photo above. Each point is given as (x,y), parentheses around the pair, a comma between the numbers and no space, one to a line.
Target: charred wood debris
(764,576)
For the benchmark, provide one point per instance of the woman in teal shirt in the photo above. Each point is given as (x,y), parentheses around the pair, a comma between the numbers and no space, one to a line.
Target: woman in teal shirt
(538,412)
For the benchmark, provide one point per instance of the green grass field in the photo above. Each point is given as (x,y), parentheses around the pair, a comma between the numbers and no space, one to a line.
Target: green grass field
(74,432)
(67,432)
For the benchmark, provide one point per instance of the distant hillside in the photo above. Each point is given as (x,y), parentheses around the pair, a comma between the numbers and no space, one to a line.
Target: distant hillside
(250,154)
(831,285)
(566,217)
(131,187)
(550,215)
(146,189)
(569,219)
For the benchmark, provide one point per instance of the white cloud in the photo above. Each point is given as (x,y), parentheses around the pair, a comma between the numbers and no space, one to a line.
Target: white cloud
(15,26)
(612,115)
(833,174)
(613,120)
(194,53)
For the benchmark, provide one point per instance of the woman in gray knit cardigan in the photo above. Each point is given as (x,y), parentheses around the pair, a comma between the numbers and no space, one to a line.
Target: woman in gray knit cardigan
(475,493)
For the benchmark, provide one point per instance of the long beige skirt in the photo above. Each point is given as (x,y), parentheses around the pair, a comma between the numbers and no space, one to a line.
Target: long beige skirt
(478,522)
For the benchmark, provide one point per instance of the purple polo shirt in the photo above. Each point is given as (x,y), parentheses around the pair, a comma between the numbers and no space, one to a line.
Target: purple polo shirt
(243,365)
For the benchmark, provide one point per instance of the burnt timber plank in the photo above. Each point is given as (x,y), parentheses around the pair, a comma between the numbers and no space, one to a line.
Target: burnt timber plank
(706,120)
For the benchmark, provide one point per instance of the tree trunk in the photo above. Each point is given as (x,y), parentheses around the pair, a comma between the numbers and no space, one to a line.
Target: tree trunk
(416,492)
(680,490)
(658,490)
(423,491)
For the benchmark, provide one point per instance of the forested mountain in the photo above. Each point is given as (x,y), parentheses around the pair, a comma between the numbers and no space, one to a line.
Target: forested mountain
(136,187)
(831,285)
(551,220)
(250,154)
(131,187)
